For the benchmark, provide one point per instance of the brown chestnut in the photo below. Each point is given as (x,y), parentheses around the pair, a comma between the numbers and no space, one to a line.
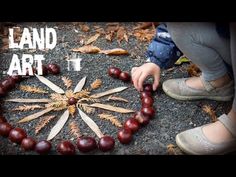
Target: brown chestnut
(5,129)
(125,136)
(114,72)
(106,143)
(124,76)
(86,144)
(43,147)
(16,135)
(149,111)
(66,148)
(131,124)
(28,144)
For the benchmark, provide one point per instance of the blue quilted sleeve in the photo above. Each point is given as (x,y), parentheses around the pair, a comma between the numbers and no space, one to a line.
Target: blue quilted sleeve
(162,50)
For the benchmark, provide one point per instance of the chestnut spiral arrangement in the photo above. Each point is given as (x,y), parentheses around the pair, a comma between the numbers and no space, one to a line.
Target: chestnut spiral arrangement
(140,118)
(18,135)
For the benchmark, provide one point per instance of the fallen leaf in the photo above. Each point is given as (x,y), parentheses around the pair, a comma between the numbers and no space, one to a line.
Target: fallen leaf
(96,84)
(86,108)
(193,70)
(92,39)
(87,49)
(114,98)
(143,25)
(210,111)
(35,116)
(72,110)
(91,124)
(116,51)
(108,92)
(121,34)
(111,108)
(182,60)
(84,28)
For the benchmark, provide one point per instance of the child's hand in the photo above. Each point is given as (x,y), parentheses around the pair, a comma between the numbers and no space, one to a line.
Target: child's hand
(139,74)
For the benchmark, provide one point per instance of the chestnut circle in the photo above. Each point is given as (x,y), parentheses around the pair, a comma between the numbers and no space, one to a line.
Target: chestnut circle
(140,118)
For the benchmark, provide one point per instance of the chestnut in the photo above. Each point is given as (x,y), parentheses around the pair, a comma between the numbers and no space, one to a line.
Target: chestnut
(66,148)
(147,87)
(3,91)
(86,144)
(145,94)
(16,135)
(125,136)
(114,72)
(8,83)
(2,119)
(149,111)
(147,102)
(17,78)
(72,101)
(106,143)
(28,144)
(124,76)
(43,147)
(141,118)
(131,124)
(5,129)
(53,68)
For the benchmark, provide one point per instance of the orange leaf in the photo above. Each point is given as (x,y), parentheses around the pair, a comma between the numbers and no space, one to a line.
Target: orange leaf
(92,39)
(116,51)
(87,49)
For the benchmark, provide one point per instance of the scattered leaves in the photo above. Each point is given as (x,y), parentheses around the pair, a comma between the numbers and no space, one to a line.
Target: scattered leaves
(121,35)
(74,129)
(96,84)
(31,89)
(43,123)
(111,108)
(145,35)
(27,108)
(111,118)
(92,39)
(116,51)
(114,98)
(193,70)
(67,82)
(210,111)
(143,25)
(87,49)
(72,110)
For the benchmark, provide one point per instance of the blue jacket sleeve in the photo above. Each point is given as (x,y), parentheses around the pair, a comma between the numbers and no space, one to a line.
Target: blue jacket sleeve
(162,50)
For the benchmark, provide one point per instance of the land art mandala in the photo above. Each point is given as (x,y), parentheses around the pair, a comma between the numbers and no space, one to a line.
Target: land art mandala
(78,100)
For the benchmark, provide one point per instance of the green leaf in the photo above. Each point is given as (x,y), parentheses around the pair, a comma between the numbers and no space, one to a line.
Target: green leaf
(182,60)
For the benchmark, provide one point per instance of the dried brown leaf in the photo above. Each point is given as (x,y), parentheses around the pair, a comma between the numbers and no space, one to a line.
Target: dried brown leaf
(72,110)
(116,51)
(145,35)
(111,118)
(27,108)
(114,98)
(210,111)
(82,94)
(121,35)
(193,70)
(143,25)
(87,49)
(42,123)
(84,28)
(31,89)
(92,39)
(74,129)
(67,82)
(173,150)
(111,108)
(109,36)
(96,84)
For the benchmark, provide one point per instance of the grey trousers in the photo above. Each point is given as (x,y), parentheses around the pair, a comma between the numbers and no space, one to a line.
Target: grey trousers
(201,43)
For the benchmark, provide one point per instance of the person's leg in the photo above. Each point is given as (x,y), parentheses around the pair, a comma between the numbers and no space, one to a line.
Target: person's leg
(201,43)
